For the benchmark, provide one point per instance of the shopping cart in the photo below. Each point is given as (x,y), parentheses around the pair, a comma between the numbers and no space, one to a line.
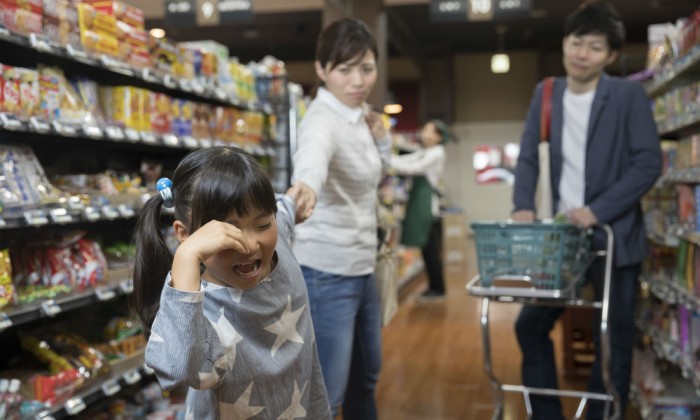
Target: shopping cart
(540,264)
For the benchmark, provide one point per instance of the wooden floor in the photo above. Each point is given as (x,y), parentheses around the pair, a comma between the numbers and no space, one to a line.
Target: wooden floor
(433,366)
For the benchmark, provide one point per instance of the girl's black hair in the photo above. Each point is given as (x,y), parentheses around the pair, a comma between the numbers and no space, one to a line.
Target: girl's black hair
(208,184)
(597,17)
(344,40)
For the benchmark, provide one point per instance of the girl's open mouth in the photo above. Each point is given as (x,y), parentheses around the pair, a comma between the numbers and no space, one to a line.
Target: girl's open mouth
(247,270)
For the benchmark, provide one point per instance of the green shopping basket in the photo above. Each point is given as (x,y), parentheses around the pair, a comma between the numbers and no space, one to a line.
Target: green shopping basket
(549,255)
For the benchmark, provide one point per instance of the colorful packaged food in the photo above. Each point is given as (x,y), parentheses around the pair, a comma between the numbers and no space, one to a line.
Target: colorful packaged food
(7,289)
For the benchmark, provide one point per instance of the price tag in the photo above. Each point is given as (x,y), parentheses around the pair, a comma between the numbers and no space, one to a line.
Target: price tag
(78,54)
(111,387)
(252,104)
(191,142)
(197,87)
(35,217)
(9,122)
(126,286)
(132,135)
(148,76)
(109,212)
(268,109)
(270,151)
(74,406)
(169,82)
(4,32)
(205,143)
(219,143)
(171,140)
(60,216)
(39,126)
(2,222)
(39,43)
(74,203)
(64,129)
(104,293)
(149,137)
(114,133)
(126,210)
(5,321)
(93,131)
(92,214)
(50,308)
(132,376)
(186,85)
(220,94)
(147,370)
(115,65)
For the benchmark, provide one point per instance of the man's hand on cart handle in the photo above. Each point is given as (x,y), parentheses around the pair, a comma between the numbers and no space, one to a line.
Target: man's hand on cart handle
(523,216)
(583,217)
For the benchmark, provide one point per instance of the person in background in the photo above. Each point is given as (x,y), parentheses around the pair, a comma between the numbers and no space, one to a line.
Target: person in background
(605,156)
(422,226)
(337,171)
(227,315)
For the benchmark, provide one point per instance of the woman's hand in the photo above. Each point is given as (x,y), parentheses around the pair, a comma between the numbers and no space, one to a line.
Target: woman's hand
(376,125)
(305,199)
(198,247)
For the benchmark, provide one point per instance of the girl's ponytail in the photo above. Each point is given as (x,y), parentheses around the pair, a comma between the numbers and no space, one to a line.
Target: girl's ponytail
(152,262)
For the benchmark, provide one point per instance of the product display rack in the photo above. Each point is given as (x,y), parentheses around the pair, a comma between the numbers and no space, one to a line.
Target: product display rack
(49,138)
(663,290)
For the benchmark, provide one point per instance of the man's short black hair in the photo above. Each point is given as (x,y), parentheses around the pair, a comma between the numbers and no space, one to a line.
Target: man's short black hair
(597,17)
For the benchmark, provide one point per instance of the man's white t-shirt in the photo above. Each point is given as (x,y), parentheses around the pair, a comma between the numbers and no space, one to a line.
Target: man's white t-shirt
(572,185)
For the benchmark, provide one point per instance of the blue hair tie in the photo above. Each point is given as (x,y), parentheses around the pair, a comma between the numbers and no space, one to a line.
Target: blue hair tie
(164,188)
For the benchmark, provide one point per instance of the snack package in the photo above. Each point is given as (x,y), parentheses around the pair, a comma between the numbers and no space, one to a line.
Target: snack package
(11,90)
(98,31)
(121,11)
(50,93)
(28,92)
(160,112)
(19,20)
(165,55)
(61,25)
(7,289)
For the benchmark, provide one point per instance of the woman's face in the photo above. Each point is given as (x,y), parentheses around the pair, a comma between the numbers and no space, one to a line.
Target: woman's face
(351,81)
(429,135)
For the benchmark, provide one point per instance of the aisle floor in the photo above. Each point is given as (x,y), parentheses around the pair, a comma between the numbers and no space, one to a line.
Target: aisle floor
(433,366)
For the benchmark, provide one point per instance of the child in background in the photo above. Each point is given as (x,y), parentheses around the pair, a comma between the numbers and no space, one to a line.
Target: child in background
(422,226)
(227,315)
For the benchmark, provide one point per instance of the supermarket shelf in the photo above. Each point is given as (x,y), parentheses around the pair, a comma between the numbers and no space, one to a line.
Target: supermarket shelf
(122,373)
(683,69)
(119,283)
(38,49)
(65,215)
(671,292)
(677,392)
(411,272)
(681,176)
(664,240)
(36,129)
(670,352)
(681,126)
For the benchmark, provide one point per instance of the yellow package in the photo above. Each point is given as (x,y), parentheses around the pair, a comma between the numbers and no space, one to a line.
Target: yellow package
(7,289)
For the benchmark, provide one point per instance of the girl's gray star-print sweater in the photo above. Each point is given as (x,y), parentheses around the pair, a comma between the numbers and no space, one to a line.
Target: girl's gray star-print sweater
(244,354)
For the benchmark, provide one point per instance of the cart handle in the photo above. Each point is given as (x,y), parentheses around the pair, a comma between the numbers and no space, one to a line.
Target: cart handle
(512,280)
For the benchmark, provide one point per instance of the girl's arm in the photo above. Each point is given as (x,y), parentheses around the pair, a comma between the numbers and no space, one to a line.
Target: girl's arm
(186,348)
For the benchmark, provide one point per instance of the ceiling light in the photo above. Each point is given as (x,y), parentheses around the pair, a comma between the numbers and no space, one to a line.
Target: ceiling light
(157,32)
(392,109)
(500,63)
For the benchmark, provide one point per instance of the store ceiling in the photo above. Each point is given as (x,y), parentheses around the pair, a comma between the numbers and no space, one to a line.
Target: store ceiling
(292,35)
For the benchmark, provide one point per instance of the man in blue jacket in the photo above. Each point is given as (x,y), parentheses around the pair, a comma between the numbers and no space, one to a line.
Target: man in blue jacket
(604,156)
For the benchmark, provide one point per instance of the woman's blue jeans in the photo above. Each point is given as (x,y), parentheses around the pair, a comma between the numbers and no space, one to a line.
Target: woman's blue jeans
(539,370)
(346,317)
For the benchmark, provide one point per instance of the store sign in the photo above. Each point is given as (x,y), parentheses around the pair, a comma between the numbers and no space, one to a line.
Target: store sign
(511,8)
(207,12)
(180,13)
(480,10)
(235,11)
(448,10)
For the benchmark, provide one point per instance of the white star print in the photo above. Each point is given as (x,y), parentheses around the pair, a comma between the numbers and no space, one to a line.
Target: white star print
(189,414)
(156,338)
(286,327)
(241,409)
(207,380)
(235,294)
(295,409)
(194,297)
(228,336)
